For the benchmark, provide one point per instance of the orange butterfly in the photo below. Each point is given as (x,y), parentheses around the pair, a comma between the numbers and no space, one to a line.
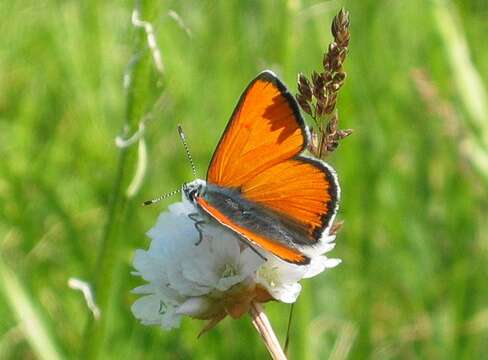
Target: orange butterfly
(260,184)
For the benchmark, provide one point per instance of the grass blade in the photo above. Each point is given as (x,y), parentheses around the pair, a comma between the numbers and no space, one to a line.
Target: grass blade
(28,314)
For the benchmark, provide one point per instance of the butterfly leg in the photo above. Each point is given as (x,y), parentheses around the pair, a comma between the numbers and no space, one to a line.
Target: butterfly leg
(245,241)
(197,223)
(195,217)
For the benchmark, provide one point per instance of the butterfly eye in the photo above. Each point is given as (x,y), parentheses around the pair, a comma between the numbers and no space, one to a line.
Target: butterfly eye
(192,192)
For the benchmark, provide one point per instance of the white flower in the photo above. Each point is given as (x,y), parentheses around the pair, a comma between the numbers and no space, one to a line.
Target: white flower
(219,263)
(181,271)
(202,279)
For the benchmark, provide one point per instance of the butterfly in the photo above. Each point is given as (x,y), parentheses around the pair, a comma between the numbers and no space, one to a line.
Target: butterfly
(260,184)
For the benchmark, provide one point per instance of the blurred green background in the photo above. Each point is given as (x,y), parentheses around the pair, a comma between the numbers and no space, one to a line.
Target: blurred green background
(413,283)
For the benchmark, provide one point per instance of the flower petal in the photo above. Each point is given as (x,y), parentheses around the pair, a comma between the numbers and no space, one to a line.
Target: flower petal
(249,262)
(151,310)
(225,247)
(194,306)
(319,264)
(287,293)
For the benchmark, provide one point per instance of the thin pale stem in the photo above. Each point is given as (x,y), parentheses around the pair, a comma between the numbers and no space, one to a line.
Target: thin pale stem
(288,329)
(263,326)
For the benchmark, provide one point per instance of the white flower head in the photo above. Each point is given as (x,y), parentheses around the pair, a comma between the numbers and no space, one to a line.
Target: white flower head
(201,278)
(184,272)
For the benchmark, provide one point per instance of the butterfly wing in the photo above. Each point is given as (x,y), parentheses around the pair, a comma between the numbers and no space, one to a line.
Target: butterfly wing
(265,129)
(259,155)
(303,190)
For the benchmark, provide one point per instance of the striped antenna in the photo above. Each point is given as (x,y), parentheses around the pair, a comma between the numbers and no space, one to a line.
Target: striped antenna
(187,150)
(193,169)
(162,197)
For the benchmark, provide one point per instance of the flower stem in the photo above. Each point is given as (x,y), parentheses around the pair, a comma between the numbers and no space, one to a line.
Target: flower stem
(108,263)
(263,326)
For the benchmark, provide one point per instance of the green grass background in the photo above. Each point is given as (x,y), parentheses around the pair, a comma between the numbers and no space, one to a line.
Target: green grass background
(413,283)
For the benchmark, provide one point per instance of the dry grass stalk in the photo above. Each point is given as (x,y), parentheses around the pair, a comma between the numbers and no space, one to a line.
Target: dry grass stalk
(263,326)
(318,97)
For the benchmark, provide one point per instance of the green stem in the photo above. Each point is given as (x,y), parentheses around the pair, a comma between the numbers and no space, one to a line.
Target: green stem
(106,265)
(107,257)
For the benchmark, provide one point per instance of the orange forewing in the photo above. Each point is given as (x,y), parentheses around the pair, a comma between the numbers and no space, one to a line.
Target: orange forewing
(282,251)
(264,130)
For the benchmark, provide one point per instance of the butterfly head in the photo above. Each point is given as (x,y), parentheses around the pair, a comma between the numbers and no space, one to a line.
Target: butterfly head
(194,189)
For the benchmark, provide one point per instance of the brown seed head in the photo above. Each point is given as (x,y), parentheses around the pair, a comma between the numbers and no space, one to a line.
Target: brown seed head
(318,97)
(304,87)
(302,101)
(340,28)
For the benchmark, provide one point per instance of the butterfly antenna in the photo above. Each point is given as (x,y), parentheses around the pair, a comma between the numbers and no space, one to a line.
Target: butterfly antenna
(187,150)
(162,197)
